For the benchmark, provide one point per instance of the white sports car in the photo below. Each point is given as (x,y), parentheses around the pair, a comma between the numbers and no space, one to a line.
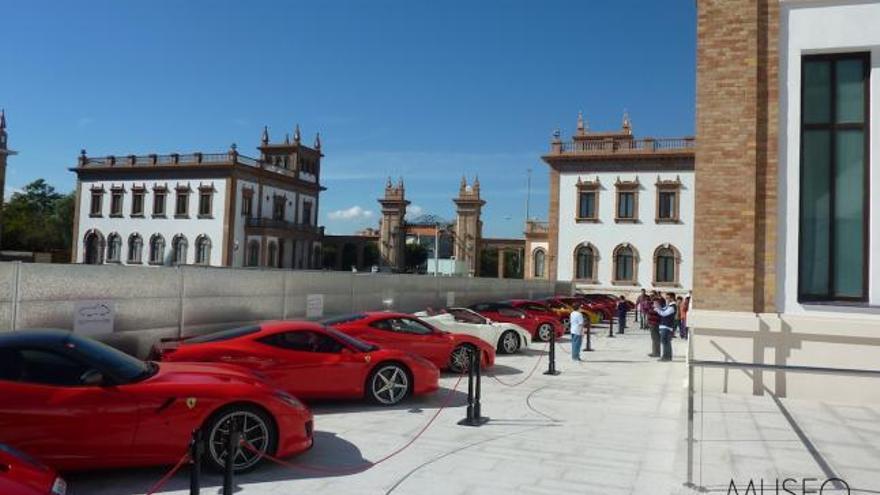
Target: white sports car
(506,337)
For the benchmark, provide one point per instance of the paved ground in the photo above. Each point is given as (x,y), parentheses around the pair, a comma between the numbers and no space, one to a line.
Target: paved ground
(614,424)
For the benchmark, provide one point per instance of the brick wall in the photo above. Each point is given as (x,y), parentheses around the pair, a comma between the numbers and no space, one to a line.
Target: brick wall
(736,157)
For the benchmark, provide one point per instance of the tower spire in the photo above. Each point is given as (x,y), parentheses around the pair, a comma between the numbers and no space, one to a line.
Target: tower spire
(296,135)
(318,141)
(627,125)
(265,137)
(581,127)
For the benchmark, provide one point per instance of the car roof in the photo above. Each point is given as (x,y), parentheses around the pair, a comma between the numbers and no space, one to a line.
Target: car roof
(35,337)
(272,327)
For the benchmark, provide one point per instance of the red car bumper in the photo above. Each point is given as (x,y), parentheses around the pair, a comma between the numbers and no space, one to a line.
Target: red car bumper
(295,433)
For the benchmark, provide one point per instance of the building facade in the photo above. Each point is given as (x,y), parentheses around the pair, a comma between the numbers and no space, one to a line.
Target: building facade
(220,209)
(787,234)
(621,212)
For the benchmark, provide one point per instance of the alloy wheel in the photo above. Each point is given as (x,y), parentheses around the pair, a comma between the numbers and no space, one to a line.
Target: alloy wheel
(509,342)
(460,360)
(252,429)
(545,331)
(390,385)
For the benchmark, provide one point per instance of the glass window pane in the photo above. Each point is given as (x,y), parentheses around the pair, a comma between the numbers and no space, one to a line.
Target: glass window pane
(850,91)
(817,91)
(815,222)
(849,214)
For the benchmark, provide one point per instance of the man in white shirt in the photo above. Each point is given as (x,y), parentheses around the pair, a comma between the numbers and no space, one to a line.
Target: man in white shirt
(667,319)
(576,325)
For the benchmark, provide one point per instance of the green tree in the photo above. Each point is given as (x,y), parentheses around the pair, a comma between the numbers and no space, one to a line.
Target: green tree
(38,219)
(415,255)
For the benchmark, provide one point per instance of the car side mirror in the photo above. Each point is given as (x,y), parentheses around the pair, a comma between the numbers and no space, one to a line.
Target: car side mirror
(92,378)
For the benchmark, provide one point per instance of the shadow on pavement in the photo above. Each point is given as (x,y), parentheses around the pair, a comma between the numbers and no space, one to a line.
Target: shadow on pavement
(412,404)
(331,456)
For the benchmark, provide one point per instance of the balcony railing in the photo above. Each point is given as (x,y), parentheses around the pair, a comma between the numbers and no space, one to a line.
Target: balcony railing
(271,223)
(170,159)
(536,227)
(623,146)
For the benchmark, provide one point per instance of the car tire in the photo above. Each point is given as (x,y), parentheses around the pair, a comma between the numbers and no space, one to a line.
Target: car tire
(389,384)
(544,332)
(255,426)
(459,358)
(509,342)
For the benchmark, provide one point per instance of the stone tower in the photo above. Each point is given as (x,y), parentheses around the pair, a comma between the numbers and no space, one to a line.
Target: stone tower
(4,152)
(392,235)
(468,226)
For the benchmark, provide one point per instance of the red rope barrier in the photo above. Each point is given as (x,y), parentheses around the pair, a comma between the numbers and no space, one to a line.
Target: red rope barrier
(367,465)
(159,484)
(532,372)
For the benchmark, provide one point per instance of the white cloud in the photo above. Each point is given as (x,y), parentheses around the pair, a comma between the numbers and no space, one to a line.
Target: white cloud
(353,213)
(413,211)
(7,194)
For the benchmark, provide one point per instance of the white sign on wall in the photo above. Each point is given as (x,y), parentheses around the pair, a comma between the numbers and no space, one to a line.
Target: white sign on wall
(315,306)
(450,299)
(93,317)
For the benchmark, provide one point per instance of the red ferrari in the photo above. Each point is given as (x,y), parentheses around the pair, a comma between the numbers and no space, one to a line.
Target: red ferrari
(540,326)
(313,361)
(77,404)
(446,350)
(21,474)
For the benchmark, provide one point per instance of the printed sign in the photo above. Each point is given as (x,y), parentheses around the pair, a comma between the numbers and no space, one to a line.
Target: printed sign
(315,306)
(450,299)
(93,317)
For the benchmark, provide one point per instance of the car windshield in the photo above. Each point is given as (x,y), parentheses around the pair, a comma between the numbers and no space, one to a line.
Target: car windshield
(339,320)
(232,333)
(118,364)
(358,344)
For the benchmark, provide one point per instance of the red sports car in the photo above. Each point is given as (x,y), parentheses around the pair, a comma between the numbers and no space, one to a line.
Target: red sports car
(540,326)
(21,474)
(313,361)
(77,404)
(408,333)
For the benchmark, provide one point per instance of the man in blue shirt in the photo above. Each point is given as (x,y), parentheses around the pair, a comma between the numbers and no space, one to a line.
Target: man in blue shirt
(667,323)
(576,325)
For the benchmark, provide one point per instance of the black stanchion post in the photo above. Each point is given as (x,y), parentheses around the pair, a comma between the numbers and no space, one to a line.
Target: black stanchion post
(195,455)
(589,332)
(474,416)
(551,368)
(469,417)
(231,453)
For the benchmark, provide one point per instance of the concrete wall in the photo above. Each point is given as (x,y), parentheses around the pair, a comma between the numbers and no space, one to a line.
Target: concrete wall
(169,301)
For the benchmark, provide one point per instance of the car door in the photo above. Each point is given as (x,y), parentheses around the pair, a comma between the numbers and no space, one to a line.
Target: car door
(48,412)
(313,364)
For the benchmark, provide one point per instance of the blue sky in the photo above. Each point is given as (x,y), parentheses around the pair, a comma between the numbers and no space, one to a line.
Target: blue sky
(427,90)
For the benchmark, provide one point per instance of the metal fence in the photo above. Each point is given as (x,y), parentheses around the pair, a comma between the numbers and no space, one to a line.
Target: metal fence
(152,302)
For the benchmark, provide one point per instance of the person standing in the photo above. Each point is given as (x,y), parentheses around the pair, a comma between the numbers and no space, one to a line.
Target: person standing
(667,322)
(653,320)
(643,304)
(622,309)
(576,327)
(685,307)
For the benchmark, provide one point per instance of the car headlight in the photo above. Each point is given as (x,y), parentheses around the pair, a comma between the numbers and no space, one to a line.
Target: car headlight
(289,400)
(59,487)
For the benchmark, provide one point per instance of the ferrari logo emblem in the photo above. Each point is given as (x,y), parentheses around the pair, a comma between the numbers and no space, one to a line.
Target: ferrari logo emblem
(367,358)
(191,402)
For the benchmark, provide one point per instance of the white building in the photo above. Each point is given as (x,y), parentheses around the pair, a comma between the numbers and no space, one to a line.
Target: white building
(788,164)
(221,209)
(621,213)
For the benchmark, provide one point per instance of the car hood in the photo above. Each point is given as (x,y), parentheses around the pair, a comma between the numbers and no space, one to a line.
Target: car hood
(203,374)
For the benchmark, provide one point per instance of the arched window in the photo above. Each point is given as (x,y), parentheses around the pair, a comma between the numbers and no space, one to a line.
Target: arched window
(585,262)
(253,253)
(157,249)
(666,265)
(135,248)
(625,264)
(203,250)
(179,247)
(272,254)
(114,248)
(93,247)
(538,261)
